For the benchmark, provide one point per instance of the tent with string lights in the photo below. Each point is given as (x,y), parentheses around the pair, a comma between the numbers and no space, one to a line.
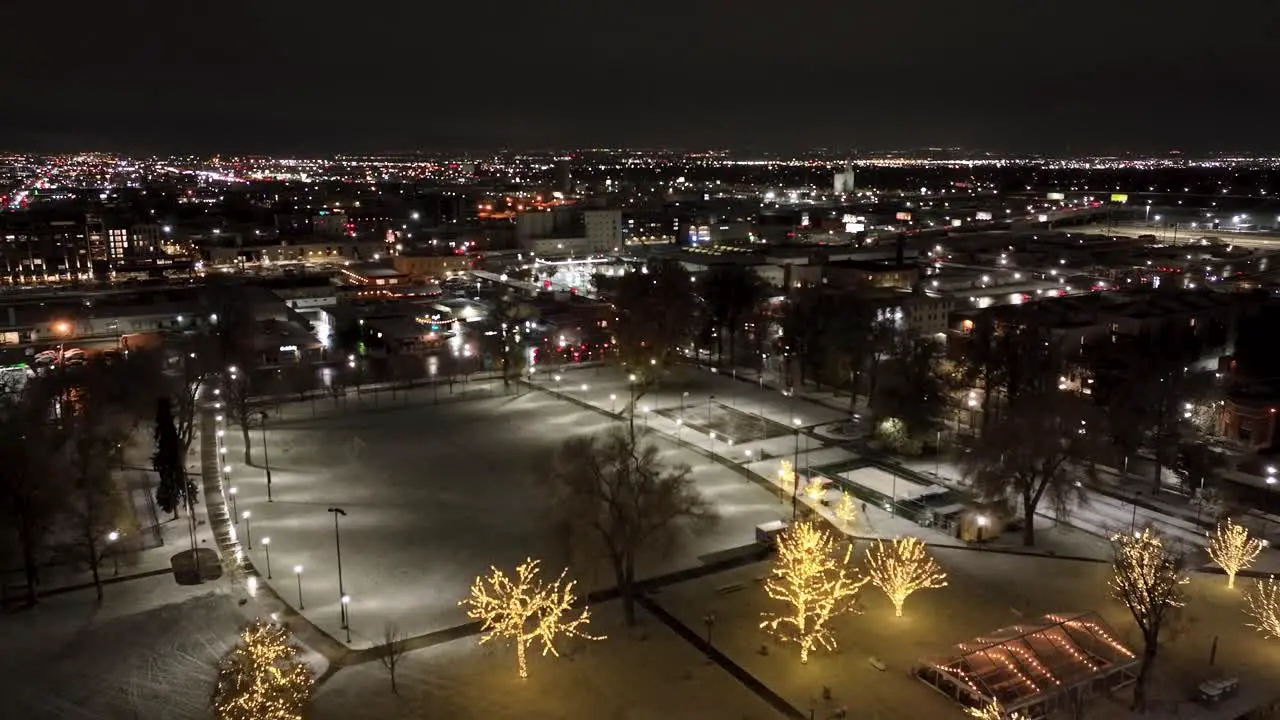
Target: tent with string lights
(1034,667)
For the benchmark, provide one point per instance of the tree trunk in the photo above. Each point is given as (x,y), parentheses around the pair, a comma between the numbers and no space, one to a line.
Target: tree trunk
(93,565)
(625,569)
(1140,686)
(244,433)
(1029,520)
(29,568)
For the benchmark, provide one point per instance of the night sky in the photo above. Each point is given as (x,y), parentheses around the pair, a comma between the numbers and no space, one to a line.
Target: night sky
(321,76)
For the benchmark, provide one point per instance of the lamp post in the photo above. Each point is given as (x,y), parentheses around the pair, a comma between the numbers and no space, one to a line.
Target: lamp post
(557,379)
(613,403)
(712,435)
(266,547)
(248,531)
(647,409)
(297,571)
(1133,520)
(679,427)
(346,613)
(231,493)
(1271,480)
(982,524)
(112,537)
(266,459)
(709,399)
(337,543)
(683,395)
(795,470)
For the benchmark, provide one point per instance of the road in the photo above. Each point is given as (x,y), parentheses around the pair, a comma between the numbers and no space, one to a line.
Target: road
(1189,235)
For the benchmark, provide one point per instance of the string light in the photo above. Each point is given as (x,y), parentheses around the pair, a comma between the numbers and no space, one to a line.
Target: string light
(1233,549)
(786,475)
(901,567)
(846,512)
(523,610)
(1147,578)
(993,711)
(263,677)
(815,489)
(815,582)
(1264,607)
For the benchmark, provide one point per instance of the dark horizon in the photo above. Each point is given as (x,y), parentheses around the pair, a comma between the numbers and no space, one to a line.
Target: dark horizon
(296,78)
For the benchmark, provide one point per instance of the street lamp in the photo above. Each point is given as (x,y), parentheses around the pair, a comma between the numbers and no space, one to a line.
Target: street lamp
(982,524)
(557,379)
(1271,480)
(337,542)
(683,395)
(266,546)
(646,415)
(709,399)
(266,458)
(248,531)
(712,435)
(679,427)
(112,537)
(613,403)
(795,469)
(231,495)
(297,571)
(346,613)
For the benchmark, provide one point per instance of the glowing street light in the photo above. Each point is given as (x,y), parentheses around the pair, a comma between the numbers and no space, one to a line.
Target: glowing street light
(248,531)
(613,403)
(297,571)
(266,546)
(346,613)
(231,495)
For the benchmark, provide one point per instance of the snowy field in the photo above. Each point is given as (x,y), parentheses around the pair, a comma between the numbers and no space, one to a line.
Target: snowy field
(434,495)
(890,485)
(642,673)
(150,651)
(986,591)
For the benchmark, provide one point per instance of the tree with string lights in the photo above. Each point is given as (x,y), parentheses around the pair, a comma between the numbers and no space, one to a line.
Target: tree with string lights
(1148,578)
(525,610)
(901,567)
(786,476)
(815,582)
(993,711)
(262,678)
(846,512)
(1233,549)
(1264,607)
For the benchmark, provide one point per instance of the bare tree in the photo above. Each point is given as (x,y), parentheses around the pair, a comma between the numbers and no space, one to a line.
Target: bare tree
(656,307)
(91,431)
(394,645)
(31,493)
(1030,453)
(615,488)
(1147,577)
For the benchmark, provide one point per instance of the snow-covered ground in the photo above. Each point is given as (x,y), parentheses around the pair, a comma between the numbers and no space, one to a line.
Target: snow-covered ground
(434,495)
(642,673)
(986,591)
(149,651)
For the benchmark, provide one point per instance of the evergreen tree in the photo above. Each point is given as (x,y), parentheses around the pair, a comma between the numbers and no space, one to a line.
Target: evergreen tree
(174,490)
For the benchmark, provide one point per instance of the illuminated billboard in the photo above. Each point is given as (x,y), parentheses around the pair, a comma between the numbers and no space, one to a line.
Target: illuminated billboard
(983,215)
(956,222)
(1042,218)
(1056,196)
(1119,198)
(906,216)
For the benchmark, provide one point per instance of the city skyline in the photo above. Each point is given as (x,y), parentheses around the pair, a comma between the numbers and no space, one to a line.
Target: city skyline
(319,79)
